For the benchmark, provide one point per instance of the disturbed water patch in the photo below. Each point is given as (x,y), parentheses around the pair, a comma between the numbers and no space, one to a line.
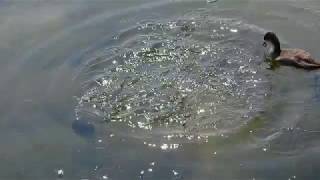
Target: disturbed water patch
(196,75)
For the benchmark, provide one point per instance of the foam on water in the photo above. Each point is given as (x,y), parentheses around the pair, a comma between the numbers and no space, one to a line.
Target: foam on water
(191,75)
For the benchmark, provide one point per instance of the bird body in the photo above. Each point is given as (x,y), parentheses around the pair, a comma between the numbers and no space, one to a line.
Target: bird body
(291,57)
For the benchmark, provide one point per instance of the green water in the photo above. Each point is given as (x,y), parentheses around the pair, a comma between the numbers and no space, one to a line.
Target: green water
(173,89)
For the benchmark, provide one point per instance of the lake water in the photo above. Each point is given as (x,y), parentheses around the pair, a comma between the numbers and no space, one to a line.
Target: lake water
(166,89)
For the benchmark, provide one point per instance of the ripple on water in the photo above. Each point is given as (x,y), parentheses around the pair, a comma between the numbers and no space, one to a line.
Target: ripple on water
(193,75)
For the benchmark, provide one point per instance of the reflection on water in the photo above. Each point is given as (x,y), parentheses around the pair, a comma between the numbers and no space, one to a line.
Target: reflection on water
(147,89)
(194,75)
(316,85)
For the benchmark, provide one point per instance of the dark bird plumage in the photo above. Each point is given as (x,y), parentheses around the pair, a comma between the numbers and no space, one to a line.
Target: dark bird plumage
(292,57)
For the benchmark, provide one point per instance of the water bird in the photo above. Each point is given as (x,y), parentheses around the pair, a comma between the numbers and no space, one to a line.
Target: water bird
(291,57)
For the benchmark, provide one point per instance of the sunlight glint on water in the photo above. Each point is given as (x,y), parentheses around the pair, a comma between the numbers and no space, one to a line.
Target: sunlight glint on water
(180,78)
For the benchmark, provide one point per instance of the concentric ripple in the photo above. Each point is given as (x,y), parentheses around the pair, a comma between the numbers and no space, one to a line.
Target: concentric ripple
(198,75)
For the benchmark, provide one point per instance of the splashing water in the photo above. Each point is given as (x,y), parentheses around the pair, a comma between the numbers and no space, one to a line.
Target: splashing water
(196,75)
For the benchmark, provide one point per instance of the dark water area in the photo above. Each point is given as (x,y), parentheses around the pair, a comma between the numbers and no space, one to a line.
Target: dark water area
(156,90)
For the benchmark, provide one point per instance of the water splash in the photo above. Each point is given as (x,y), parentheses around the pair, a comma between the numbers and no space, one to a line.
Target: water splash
(194,75)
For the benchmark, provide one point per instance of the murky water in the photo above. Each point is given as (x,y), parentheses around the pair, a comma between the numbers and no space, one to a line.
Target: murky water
(156,90)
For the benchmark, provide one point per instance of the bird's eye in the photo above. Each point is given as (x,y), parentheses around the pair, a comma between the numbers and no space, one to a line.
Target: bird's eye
(264,44)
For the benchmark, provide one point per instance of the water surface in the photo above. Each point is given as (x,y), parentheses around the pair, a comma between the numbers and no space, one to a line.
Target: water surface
(156,90)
